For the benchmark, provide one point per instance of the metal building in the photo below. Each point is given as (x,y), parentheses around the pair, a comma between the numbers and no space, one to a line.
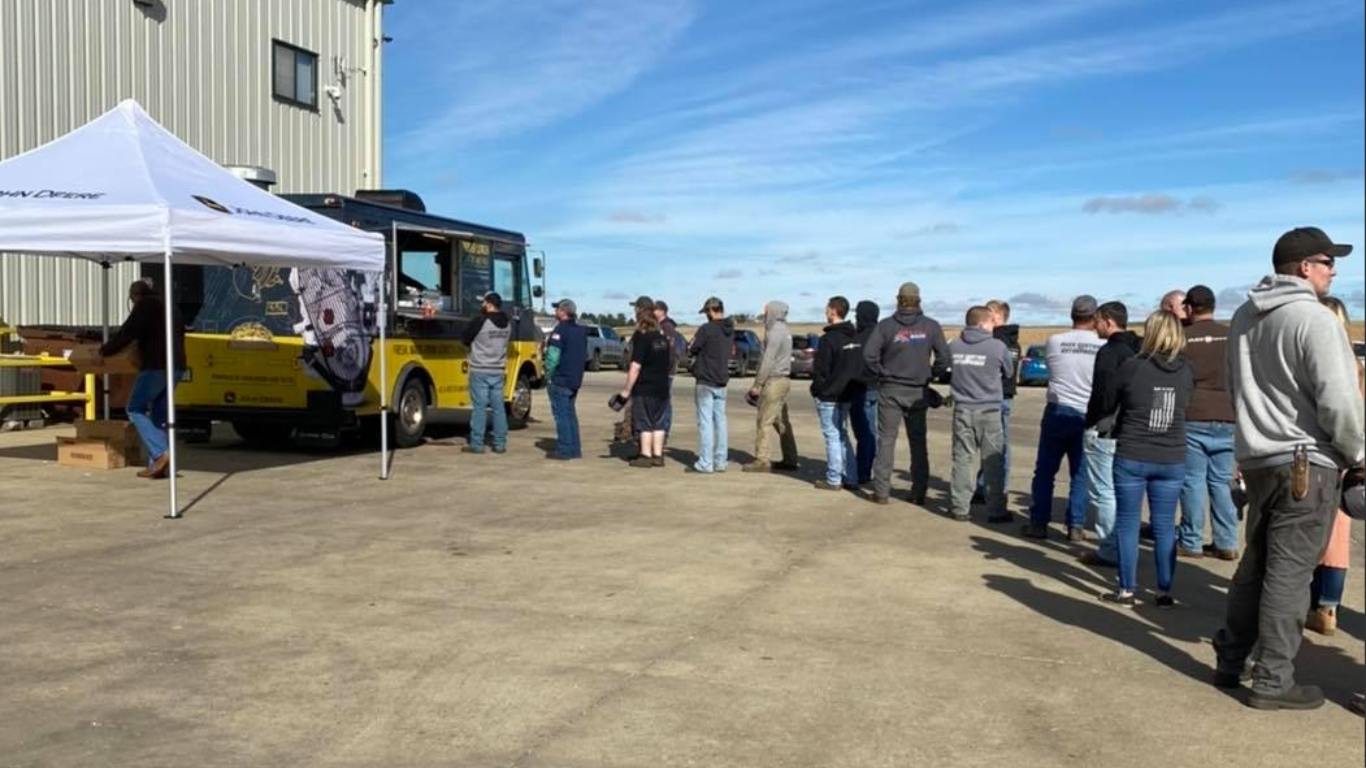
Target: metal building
(290,85)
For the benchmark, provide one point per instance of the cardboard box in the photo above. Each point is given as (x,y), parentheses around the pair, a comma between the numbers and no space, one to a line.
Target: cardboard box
(83,359)
(101,445)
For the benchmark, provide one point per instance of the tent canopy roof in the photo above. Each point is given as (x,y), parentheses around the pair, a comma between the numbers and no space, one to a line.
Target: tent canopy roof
(123,187)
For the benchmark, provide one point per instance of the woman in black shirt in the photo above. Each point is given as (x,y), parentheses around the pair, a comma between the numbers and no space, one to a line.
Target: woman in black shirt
(1150,394)
(647,385)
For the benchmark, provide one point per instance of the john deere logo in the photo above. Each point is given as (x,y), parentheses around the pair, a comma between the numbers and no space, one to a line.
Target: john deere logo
(229,397)
(212,204)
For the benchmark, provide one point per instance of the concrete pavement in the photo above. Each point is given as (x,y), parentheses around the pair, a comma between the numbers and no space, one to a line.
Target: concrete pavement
(510,611)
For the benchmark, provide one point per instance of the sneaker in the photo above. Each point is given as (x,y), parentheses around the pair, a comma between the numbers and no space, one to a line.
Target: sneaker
(1227,555)
(1033,531)
(1094,560)
(1076,535)
(1298,697)
(1122,599)
(821,485)
(1323,621)
(757,466)
(472,450)
(787,466)
(500,451)
(999,518)
(1190,554)
(644,462)
(1165,602)
(879,500)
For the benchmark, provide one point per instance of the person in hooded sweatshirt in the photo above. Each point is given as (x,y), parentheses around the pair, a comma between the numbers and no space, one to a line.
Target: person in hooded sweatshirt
(1112,325)
(1298,422)
(710,351)
(1009,334)
(980,363)
(838,364)
(904,353)
(863,393)
(487,338)
(1148,396)
(772,385)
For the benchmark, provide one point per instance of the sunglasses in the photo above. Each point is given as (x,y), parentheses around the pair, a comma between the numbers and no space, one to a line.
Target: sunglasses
(1327,261)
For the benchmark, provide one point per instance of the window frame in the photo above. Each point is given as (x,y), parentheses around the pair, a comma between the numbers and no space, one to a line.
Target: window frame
(275,44)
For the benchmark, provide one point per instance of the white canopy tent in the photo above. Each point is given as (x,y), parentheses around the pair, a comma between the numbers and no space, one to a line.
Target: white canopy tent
(124,188)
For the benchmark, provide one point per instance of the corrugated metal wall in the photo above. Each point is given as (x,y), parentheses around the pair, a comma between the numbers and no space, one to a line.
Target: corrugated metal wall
(203,69)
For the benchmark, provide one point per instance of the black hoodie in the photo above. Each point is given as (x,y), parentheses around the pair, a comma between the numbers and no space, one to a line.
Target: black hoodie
(865,319)
(1150,394)
(901,348)
(1010,336)
(838,364)
(710,350)
(1118,348)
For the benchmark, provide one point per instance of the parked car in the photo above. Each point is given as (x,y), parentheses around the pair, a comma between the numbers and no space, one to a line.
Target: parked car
(1034,367)
(746,353)
(605,347)
(804,355)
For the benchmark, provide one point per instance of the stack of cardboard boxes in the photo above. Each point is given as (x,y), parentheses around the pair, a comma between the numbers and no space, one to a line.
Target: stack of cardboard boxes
(101,445)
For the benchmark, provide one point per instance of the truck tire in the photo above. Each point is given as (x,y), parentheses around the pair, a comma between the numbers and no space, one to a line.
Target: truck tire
(519,410)
(410,414)
(744,366)
(261,433)
(595,362)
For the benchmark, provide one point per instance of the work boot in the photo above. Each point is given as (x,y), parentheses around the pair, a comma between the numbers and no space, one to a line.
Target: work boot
(1034,531)
(787,466)
(821,485)
(1297,697)
(1227,555)
(879,499)
(1076,535)
(1190,554)
(161,467)
(757,466)
(1323,621)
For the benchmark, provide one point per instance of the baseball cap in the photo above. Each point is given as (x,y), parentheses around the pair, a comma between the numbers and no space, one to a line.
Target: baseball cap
(643,304)
(493,298)
(908,291)
(1084,305)
(568,306)
(712,304)
(1200,296)
(662,306)
(1304,242)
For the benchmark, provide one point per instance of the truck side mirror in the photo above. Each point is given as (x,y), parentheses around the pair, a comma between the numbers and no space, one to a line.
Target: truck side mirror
(537,291)
(538,268)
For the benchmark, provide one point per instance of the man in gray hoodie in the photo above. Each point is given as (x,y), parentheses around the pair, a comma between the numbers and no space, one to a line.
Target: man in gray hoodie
(487,338)
(1298,423)
(904,354)
(772,384)
(980,364)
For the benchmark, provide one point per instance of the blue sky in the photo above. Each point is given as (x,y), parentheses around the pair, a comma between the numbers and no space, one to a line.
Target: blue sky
(796,149)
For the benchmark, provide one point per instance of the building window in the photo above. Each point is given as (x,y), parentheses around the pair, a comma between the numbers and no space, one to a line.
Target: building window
(296,75)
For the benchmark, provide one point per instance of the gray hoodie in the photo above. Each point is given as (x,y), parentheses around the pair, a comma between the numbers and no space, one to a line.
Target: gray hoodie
(777,362)
(980,363)
(1293,379)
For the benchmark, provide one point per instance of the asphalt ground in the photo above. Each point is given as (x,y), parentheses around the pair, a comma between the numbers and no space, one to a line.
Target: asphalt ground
(512,611)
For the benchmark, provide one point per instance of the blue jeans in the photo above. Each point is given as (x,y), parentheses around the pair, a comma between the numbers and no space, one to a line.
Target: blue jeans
(1006,406)
(712,434)
(562,406)
(1326,590)
(1060,435)
(863,418)
(1161,483)
(147,411)
(1209,472)
(841,466)
(486,393)
(1100,494)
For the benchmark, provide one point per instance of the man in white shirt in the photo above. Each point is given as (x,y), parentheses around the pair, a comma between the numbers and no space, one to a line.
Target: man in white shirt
(1071,362)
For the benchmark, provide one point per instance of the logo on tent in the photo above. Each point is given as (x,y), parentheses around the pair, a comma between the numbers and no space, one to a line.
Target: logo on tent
(211,204)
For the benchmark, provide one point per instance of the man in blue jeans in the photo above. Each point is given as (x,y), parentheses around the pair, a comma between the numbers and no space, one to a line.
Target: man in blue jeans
(1209,437)
(487,338)
(710,353)
(838,363)
(146,326)
(1112,325)
(1071,363)
(566,353)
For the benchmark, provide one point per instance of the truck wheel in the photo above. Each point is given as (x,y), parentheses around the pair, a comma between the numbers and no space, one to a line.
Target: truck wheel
(519,410)
(410,414)
(256,432)
(744,366)
(595,362)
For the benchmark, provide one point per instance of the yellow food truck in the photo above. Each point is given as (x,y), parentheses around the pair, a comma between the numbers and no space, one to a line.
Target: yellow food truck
(291,353)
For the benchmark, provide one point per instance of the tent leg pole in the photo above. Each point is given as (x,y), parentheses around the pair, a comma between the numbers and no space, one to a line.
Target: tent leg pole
(169,311)
(384,370)
(104,312)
